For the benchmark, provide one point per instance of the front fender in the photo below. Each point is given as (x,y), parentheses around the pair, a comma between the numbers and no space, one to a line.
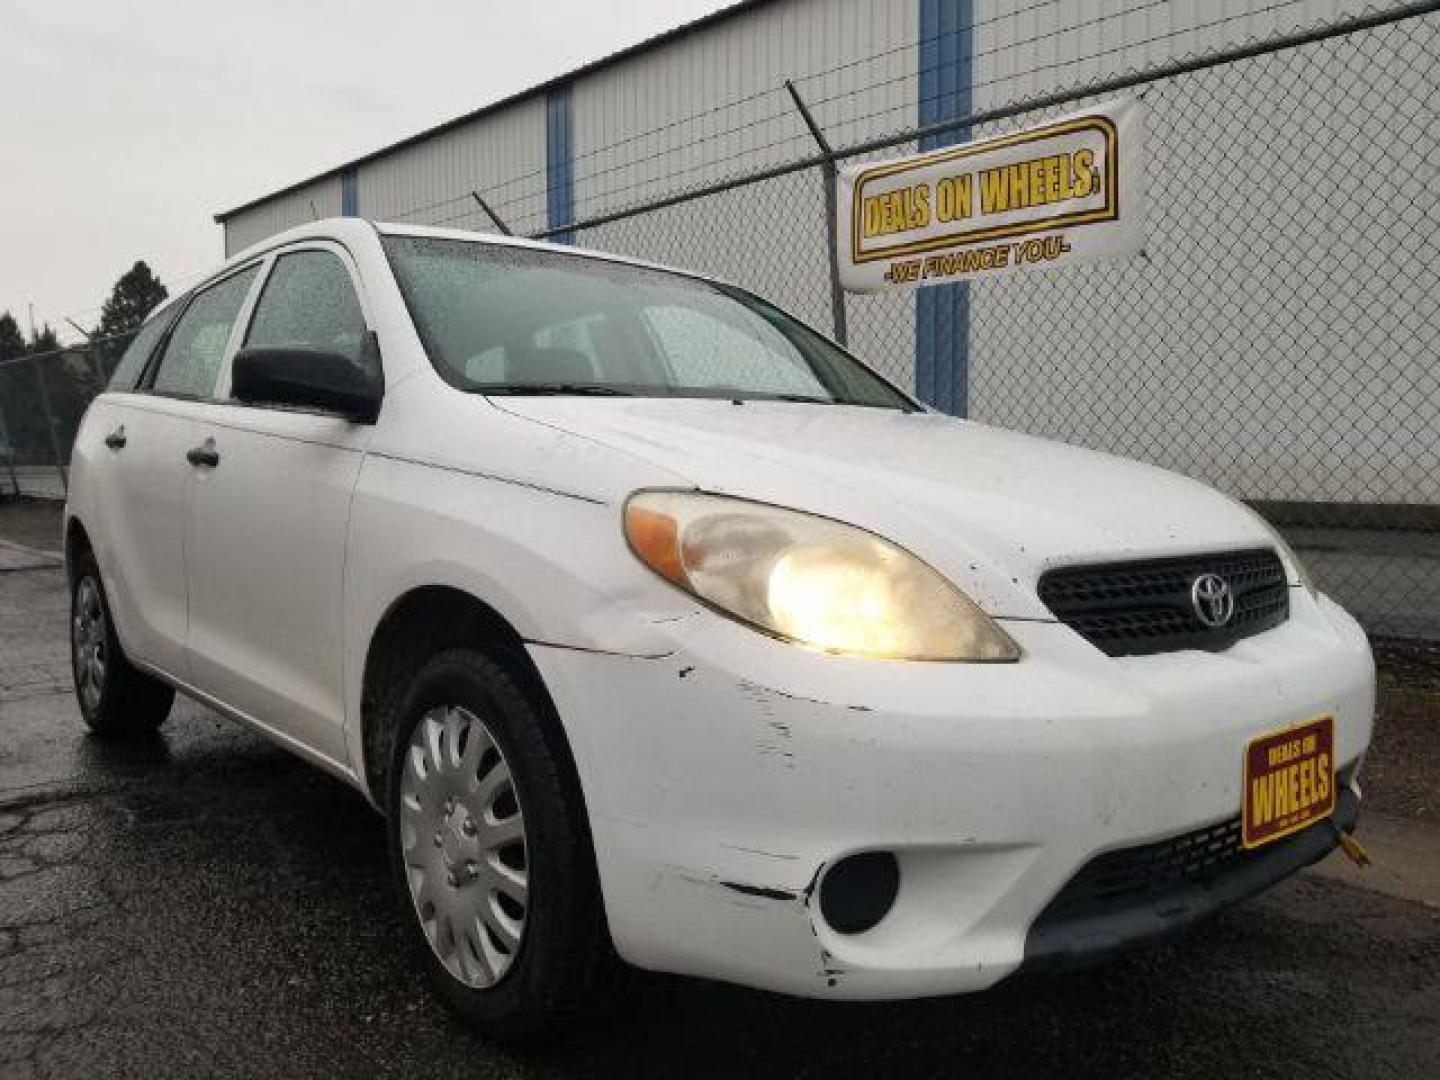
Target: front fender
(553,566)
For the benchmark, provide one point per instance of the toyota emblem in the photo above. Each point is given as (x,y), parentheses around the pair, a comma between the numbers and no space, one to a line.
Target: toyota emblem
(1212,600)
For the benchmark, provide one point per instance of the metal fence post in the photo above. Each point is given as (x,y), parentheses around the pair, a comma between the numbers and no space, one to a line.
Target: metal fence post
(50,426)
(7,450)
(97,361)
(491,213)
(831,176)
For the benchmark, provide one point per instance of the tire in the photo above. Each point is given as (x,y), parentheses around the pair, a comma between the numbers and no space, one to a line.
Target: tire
(116,699)
(463,725)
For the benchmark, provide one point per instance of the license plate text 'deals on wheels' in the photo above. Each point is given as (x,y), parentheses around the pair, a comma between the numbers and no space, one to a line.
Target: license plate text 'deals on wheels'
(1289,780)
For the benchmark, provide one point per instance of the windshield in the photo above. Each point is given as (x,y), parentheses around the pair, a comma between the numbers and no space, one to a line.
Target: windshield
(507,320)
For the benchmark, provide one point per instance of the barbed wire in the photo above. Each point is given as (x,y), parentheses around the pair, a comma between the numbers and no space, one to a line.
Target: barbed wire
(504,200)
(786,112)
(692,118)
(1088,57)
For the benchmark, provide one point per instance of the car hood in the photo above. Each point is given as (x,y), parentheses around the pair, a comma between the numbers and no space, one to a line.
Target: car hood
(993,509)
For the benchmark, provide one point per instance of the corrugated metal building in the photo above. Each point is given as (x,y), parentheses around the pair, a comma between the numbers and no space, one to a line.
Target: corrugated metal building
(704,100)
(1141,345)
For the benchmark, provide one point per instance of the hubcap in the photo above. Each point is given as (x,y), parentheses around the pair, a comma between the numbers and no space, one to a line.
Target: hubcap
(463,838)
(87,642)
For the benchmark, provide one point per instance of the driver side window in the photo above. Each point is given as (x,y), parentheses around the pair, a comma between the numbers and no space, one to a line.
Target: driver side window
(309,301)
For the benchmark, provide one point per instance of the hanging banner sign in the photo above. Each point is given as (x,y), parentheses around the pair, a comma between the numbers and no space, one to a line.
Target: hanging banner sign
(1067,191)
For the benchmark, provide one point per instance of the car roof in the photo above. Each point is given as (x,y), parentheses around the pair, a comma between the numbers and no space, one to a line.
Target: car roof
(357,229)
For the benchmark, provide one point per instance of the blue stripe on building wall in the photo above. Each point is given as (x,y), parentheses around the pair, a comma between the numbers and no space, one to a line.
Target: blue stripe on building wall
(350,192)
(559,162)
(942,312)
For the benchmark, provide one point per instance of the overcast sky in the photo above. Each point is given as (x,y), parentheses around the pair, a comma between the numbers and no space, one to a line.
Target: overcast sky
(129,124)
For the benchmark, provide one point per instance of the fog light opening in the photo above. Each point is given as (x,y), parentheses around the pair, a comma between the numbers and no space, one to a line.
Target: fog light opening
(858,891)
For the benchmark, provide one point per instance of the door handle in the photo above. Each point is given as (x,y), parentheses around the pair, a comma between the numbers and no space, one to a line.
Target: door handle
(205,455)
(116,439)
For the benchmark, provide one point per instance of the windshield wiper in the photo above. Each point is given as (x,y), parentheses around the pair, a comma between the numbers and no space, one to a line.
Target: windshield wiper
(557,389)
(803,399)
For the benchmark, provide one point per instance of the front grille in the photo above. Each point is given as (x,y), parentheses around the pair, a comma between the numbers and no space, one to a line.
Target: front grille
(1140,893)
(1145,607)
(1142,874)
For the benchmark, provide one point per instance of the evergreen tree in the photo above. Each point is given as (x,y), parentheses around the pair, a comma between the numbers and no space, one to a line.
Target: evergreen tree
(21,423)
(43,341)
(133,297)
(12,342)
(12,346)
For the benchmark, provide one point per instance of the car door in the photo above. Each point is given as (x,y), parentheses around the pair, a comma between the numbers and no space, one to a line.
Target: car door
(269,520)
(143,478)
(106,456)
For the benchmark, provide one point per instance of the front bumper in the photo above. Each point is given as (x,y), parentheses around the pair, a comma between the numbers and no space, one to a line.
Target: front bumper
(723,779)
(1129,897)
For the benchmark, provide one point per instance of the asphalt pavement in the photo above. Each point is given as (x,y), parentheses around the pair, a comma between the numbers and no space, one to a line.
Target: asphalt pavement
(204,904)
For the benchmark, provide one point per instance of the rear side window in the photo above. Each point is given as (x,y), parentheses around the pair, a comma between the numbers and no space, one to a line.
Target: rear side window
(132,362)
(309,300)
(192,359)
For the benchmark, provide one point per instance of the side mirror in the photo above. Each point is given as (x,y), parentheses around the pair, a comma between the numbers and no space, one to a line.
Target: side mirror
(300,377)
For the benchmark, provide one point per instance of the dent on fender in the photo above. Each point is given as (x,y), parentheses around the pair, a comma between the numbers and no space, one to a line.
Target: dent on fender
(618,630)
(785,903)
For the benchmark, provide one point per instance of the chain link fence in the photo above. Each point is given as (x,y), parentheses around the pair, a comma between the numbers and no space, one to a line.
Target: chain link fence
(42,399)
(1279,338)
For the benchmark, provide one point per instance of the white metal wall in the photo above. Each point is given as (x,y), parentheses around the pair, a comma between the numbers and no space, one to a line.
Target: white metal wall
(1024,47)
(666,120)
(501,155)
(320,199)
(709,104)
(690,110)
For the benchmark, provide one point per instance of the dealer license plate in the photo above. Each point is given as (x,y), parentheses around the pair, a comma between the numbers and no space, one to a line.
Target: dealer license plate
(1289,781)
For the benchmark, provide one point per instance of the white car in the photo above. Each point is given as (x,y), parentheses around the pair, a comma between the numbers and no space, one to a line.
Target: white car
(657,625)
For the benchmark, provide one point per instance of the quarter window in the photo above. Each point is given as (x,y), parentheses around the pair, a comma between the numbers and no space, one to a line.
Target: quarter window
(191,364)
(132,361)
(309,301)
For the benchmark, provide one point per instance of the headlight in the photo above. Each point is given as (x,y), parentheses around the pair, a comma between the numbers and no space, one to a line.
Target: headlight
(808,579)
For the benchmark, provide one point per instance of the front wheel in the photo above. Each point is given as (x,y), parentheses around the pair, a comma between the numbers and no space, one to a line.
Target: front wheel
(115,697)
(490,850)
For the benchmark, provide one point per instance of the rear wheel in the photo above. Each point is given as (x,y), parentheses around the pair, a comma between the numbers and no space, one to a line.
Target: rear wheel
(490,851)
(115,697)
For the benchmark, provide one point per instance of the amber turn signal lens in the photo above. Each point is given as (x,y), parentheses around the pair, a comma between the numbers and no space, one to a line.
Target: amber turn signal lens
(655,538)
